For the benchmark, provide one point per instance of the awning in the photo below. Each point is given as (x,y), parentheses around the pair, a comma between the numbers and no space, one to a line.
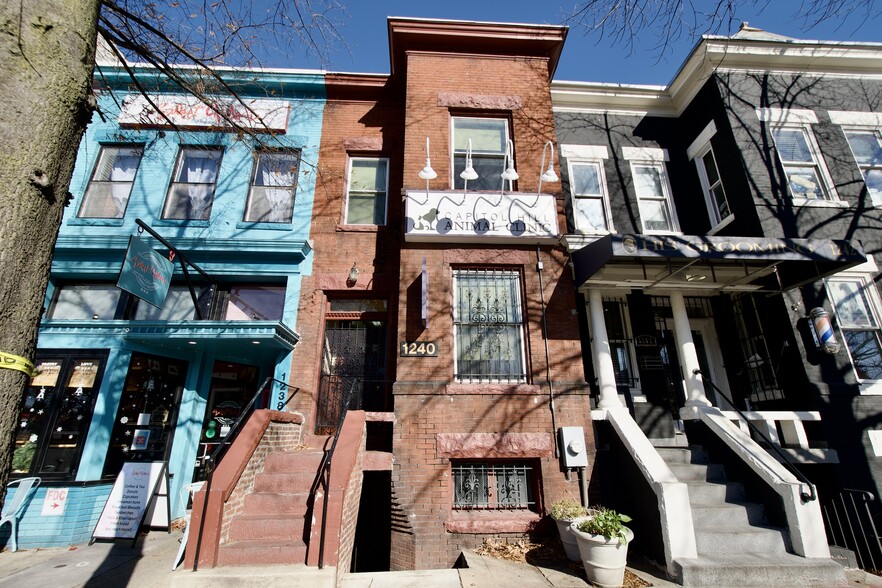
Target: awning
(716,263)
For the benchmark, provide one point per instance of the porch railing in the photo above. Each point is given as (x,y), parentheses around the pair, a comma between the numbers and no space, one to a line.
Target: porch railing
(850,524)
(338,393)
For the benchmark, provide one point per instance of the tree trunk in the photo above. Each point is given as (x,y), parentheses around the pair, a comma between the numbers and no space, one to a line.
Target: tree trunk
(47,54)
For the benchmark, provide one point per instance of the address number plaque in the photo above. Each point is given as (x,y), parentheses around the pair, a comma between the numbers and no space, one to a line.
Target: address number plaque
(419,349)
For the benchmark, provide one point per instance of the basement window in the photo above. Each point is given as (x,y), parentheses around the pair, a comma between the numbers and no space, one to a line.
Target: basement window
(493,485)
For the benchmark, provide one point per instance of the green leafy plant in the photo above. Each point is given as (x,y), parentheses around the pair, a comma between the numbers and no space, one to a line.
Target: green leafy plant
(23,456)
(608,523)
(567,509)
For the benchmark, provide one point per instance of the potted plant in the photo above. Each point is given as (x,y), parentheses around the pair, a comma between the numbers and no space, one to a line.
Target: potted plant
(565,512)
(603,546)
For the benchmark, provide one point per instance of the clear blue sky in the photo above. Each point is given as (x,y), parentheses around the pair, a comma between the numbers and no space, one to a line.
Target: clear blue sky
(585,57)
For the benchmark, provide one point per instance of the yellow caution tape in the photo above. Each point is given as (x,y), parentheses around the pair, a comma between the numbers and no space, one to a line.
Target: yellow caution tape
(16,362)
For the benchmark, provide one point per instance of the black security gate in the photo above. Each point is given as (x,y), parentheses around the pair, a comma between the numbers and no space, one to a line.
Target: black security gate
(353,357)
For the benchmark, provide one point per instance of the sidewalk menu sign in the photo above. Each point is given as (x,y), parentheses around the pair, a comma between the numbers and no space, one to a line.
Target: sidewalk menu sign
(135,500)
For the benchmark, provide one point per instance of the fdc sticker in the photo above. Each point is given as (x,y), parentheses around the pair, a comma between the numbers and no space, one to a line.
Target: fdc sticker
(54,503)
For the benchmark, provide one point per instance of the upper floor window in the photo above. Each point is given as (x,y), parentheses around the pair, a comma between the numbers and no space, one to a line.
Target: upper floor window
(652,188)
(191,193)
(709,175)
(590,200)
(488,326)
(856,304)
(271,199)
(800,158)
(111,185)
(367,189)
(489,139)
(85,301)
(866,144)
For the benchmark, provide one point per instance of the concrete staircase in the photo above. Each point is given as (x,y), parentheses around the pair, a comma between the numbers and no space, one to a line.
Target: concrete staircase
(272,526)
(736,545)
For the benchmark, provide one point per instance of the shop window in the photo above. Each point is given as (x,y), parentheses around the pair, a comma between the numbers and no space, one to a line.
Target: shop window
(798,153)
(366,191)
(866,144)
(493,485)
(856,305)
(143,428)
(178,305)
(111,185)
(590,199)
(489,139)
(56,413)
(253,303)
(191,193)
(271,198)
(488,326)
(85,302)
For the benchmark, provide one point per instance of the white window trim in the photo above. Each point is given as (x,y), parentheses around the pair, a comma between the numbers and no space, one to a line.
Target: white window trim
(696,151)
(589,154)
(865,129)
(866,387)
(701,140)
(651,154)
(832,199)
(666,190)
(787,116)
(349,161)
(856,119)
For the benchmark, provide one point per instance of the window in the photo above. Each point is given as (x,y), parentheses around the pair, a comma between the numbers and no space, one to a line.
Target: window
(867,148)
(56,413)
(590,201)
(489,138)
(493,485)
(254,303)
(712,185)
(191,193)
(798,153)
(620,342)
(178,306)
(271,199)
(366,196)
(85,302)
(488,326)
(653,196)
(856,304)
(108,193)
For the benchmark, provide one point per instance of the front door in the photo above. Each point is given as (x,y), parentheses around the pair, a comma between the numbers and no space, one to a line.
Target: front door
(709,360)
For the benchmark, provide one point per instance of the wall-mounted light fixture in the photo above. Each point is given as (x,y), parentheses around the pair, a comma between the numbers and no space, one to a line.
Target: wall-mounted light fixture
(509,173)
(427,173)
(352,276)
(548,175)
(822,330)
(469,172)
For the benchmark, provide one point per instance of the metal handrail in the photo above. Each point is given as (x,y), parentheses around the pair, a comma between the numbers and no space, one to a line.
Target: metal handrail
(323,476)
(841,519)
(212,460)
(805,496)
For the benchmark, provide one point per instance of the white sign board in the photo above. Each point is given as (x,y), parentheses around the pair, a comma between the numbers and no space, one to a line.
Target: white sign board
(190,112)
(131,496)
(54,503)
(481,216)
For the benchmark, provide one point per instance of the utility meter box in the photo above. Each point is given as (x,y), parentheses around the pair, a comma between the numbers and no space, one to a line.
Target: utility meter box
(572,447)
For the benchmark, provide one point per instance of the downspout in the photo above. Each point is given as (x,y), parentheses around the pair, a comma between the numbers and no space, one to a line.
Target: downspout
(547,357)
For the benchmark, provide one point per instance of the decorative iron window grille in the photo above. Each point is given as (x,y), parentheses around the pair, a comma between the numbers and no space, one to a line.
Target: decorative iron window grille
(488,326)
(487,486)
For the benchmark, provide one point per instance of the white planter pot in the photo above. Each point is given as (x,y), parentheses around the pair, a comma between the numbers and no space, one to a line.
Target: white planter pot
(604,560)
(567,538)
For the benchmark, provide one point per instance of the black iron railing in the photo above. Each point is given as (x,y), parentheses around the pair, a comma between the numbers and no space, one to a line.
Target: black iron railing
(323,477)
(850,524)
(338,393)
(784,459)
(211,462)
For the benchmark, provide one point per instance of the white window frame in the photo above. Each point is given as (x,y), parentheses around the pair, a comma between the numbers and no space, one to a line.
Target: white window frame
(263,193)
(120,190)
(653,158)
(594,155)
(817,162)
(697,152)
(874,304)
(172,197)
(455,181)
(457,321)
(376,194)
(876,198)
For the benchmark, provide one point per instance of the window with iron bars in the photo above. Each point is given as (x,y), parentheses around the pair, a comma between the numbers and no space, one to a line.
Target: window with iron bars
(493,486)
(758,366)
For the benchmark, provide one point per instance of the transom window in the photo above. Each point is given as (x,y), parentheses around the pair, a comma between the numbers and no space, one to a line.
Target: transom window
(489,138)
(867,148)
(367,189)
(111,185)
(191,193)
(653,196)
(590,201)
(856,305)
(493,485)
(806,177)
(488,326)
(712,185)
(271,199)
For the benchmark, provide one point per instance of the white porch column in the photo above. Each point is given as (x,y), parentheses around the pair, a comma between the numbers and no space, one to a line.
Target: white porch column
(695,395)
(603,362)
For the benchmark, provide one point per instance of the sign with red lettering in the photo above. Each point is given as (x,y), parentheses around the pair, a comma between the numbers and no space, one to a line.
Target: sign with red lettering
(54,502)
(188,112)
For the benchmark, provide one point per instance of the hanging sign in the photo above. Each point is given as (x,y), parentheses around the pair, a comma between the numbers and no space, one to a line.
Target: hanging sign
(139,490)
(145,273)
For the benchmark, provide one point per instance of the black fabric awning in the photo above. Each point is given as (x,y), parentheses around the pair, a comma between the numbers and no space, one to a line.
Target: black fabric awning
(733,263)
